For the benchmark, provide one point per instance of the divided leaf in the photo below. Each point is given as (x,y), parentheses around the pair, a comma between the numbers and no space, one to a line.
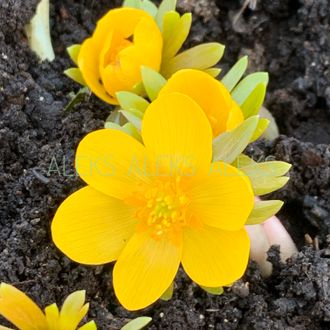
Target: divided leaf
(234,75)
(76,75)
(200,57)
(254,101)
(214,72)
(127,128)
(168,294)
(133,117)
(227,146)
(215,291)
(164,7)
(263,210)
(73,52)
(128,100)
(145,5)
(137,323)
(175,32)
(261,127)
(153,82)
(266,169)
(245,87)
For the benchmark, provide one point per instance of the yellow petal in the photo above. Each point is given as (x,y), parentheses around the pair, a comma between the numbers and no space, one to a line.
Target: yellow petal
(209,93)
(92,228)
(52,316)
(5,328)
(235,117)
(112,162)
(177,131)
(123,20)
(144,270)
(20,310)
(224,199)
(213,257)
(73,310)
(88,61)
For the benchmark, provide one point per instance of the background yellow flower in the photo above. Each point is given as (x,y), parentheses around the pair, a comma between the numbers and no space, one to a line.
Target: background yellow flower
(20,310)
(110,60)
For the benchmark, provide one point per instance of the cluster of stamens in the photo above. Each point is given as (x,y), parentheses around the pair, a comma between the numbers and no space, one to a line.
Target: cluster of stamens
(164,209)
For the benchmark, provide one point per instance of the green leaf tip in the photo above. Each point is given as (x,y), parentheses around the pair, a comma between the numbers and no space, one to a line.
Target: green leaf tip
(246,86)
(164,7)
(128,100)
(233,76)
(73,52)
(263,210)
(254,101)
(146,5)
(228,145)
(168,294)
(153,82)
(200,57)
(215,291)
(175,31)
(138,323)
(76,75)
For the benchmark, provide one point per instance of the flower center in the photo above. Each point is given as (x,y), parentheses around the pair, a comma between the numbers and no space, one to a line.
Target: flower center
(162,209)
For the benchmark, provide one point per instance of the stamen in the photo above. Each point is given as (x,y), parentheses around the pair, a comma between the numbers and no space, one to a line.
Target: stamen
(164,209)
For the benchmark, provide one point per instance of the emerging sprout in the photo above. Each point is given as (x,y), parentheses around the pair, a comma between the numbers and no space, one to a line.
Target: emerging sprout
(38,32)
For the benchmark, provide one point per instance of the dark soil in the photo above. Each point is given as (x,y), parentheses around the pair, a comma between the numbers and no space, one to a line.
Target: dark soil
(291,40)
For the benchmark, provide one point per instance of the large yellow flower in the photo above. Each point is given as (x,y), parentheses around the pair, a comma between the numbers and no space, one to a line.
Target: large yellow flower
(123,41)
(20,310)
(151,206)
(212,96)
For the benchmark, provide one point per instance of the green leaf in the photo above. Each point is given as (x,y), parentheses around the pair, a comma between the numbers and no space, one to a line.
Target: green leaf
(89,326)
(133,117)
(234,75)
(200,57)
(128,100)
(227,146)
(137,324)
(153,82)
(242,91)
(168,294)
(132,3)
(254,101)
(265,185)
(266,169)
(175,32)
(145,5)
(75,75)
(265,177)
(243,160)
(263,210)
(271,132)
(73,52)
(127,128)
(77,98)
(215,291)
(262,126)
(214,72)
(164,7)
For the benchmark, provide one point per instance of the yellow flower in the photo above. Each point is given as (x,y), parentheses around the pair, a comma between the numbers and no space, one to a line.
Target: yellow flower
(110,60)
(212,96)
(152,206)
(20,310)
